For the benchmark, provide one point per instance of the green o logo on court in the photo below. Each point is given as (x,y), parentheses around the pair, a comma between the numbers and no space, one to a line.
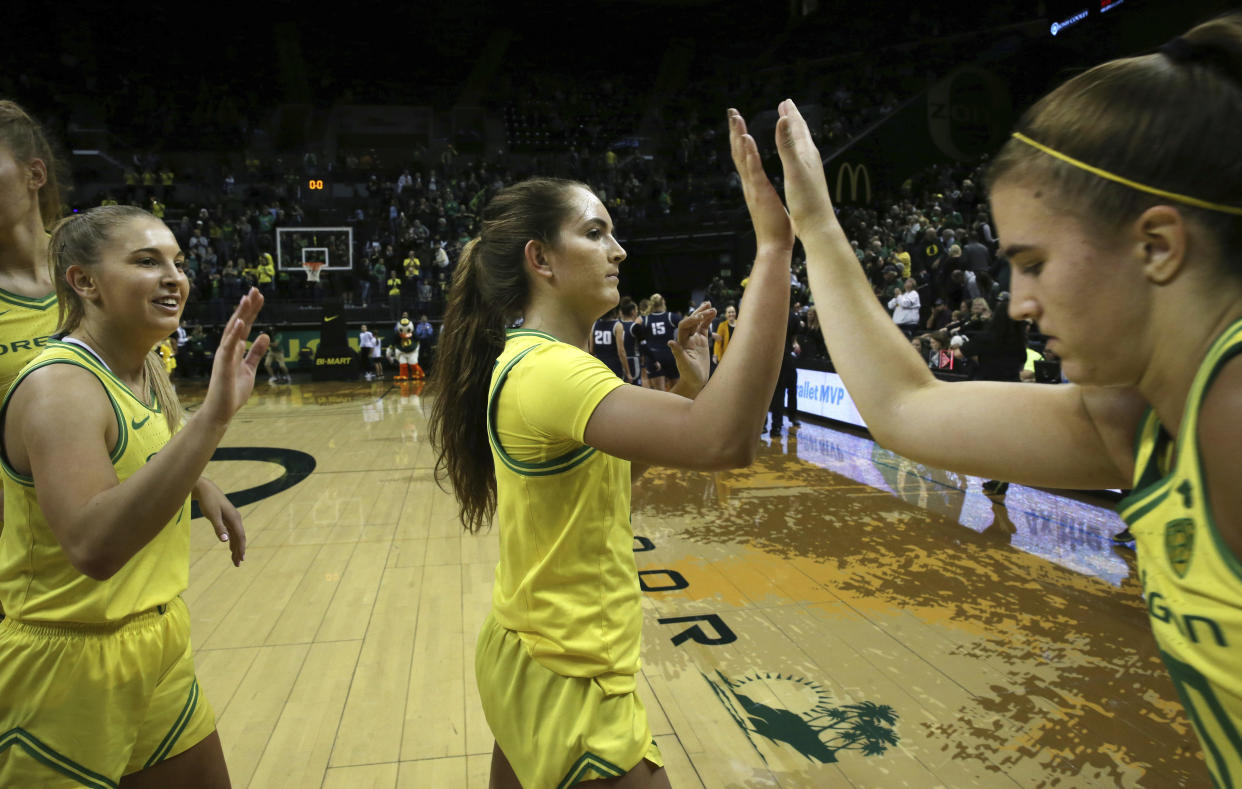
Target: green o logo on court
(297,467)
(1179,544)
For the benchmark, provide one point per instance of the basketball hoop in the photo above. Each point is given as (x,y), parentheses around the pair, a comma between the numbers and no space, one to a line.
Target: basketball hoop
(312,267)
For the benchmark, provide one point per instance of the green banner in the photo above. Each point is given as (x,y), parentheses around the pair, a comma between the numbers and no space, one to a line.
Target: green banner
(295,340)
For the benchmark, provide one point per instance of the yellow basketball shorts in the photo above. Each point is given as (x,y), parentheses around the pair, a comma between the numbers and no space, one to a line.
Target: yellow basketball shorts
(83,705)
(555,730)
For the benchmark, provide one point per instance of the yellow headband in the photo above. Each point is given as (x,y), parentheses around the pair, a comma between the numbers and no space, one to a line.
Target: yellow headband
(1194,201)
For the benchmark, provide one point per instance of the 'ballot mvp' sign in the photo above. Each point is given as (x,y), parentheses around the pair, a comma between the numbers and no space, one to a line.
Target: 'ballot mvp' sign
(823,394)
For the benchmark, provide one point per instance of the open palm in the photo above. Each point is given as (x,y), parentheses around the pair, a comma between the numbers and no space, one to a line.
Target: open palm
(232,373)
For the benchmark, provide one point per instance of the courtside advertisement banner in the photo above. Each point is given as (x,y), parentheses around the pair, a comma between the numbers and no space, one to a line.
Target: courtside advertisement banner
(822,394)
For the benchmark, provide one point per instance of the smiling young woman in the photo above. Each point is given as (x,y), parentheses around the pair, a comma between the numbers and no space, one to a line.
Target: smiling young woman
(97,680)
(531,429)
(1119,203)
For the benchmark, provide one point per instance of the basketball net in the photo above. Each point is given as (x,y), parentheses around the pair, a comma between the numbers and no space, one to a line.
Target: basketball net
(312,268)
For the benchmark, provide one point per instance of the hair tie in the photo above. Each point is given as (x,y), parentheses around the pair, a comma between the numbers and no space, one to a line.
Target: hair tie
(1179,50)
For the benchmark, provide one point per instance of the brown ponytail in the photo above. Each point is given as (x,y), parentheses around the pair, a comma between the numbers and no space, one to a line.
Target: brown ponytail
(25,139)
(77,241)
(1170,120)
(488,293)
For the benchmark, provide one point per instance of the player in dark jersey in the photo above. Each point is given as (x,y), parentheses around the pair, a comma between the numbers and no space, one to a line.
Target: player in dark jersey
(659,328)
(640,331)
(629,321)
(606,343)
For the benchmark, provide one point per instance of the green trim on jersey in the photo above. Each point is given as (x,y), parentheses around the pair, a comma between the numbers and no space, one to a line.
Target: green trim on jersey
(40,583)
(122,432)
(41,752)
(585,763)
(1227,553)
(1203,706)
(511,333)
(1150,475)
(17,300)
(95,364)
(540,469)
(1191,578)
(1133,508)
(1153,484)
(174,733)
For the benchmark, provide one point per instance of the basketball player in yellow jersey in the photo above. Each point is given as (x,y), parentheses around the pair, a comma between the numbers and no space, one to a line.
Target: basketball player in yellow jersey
(533,429)
(1190,570)
(29,204)
(97,684)
(1119,203)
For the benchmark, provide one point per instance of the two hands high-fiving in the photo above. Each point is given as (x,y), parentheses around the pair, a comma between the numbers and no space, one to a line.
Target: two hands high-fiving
(809,208)
(806,189)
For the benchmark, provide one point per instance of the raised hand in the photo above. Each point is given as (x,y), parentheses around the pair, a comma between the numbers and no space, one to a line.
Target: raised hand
(232,373)
(806,190)
(692,348)
(767,214)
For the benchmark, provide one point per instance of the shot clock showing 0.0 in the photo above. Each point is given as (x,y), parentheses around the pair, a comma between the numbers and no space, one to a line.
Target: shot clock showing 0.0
(315,184)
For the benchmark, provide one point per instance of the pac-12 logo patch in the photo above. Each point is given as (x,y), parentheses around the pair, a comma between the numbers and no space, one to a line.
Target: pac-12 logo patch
(1179,544)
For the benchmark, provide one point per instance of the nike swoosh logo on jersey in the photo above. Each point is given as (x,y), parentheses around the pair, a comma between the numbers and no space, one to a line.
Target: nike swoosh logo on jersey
(330,318)
(135,424)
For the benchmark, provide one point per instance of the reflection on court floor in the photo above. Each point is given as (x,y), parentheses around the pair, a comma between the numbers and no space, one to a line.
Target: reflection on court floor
(1064,530)
(951,639)
(833,615)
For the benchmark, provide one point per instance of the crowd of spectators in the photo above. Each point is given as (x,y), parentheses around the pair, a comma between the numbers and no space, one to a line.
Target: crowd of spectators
(930,252)
(653,152)
(931,255)
(670,166)
(407,230)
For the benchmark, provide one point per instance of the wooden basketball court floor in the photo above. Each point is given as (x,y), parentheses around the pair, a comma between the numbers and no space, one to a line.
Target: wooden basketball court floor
(831,616)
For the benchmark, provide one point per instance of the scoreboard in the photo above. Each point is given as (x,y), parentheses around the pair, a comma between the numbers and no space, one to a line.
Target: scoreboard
(315,189)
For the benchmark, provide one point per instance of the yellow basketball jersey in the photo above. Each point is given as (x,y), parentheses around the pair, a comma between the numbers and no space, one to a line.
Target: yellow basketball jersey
(1191,578)
(26,326)
(37,582)
(567,582)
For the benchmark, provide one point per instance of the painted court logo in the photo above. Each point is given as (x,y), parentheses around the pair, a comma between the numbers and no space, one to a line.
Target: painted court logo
(789,711)
(1179,544)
